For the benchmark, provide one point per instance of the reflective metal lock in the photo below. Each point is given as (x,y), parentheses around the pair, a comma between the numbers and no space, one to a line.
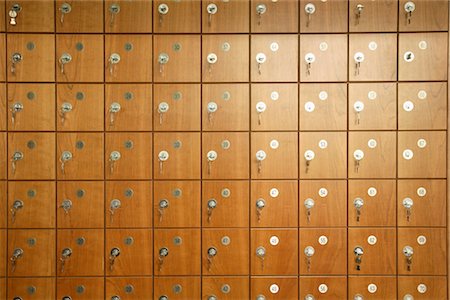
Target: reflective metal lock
(358,155)
(163,9)
(17,254)
(113,158)
(66,156)
(212,10)
(115,297)
(358,297)
(359,58)
(163,59)
(17,205)
(409,7)
(310,297)
(358,204)
(17,155)
(13,13)
(212,252)
(65,8)
(66,205)
(260,10)
(65,254)
(261,253)
(309,156)
(211,59)
(163,253)
(163,204)
(309,252)
(358,251)
(212,203)
(260,59)
(408,252)
(309,204)
(408,204)
(211,156)
(114,10)
(66,107)
(113,60)
(114,109)
(310,9)
(115,252)
(163,156)
(63,60)
(114,205)
(309,59)
(260,204)
(358,11)
(15,108)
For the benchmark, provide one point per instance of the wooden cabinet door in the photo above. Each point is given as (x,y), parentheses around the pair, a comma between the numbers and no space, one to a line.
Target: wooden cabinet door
(177,252)
(118,14)
(79,16)
(3,255)
(178,288)
(424,11)
(29,288)
(4,204)
(422,287)
(3,104)
(227,288)
(176,16)
(33,16)
(31,204)
(216,16)
(225,252)
(323,16)
(377,16)
(176,204)
(3,155)
(328,288)
(274,288)
(83,288)
(372,287)
(129,288)
(274,16)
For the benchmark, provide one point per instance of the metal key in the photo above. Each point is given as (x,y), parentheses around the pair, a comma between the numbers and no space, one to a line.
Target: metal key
(163,59)
(113,206)
(163,205)
(310,58)
(113,60)
(409,8)
(358,251)
(310,9)
(13,13)
(66,107)
(114,109)
(114,9)
(17,155)
(212,204)
(260,10)
(163,253)
(15,108)
(260,108)
(66,205)
(115,252)
(163,9)
(211,156)
(15,59)
(65,255)
(260,204)
(212,108)
(358,155)
(408,204)
(309,156)
(113,158)
(309,204)
(261,254)
(309,252)
(163,156)
(408,252)
(17,253)
(212,10)
(260,59)
(260,156)
(212,252)
(163,107)
(359,58)
(358,203)
(66,156)
(63,60)
(17,205)
(359,9)
(64,9)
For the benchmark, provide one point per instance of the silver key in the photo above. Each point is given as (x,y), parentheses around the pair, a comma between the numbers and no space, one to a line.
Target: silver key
(408,204)
(309,252)
(359,9)
(163,205)
(15,59)
(63,60)
(260,204)
(66,205)
(212,252)
(115,252)
(64,9)
(261,254)
(113,60)
(17,205)
(66,156)
(15,108)
(114,109)
(13,13)
(17,253)
(66,107)
(113,206)
(408,252)
(212,204)
(309,204)
(212,10)
(163,253)
(113,158)
(260,10)
(358,251)
(114,10)
(65,255)
(14,159)
(358,203)
(163,59)
(163,9)
(163,156)
(163,107)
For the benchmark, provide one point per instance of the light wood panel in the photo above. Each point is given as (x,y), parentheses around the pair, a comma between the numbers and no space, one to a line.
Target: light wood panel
(84,16)
(140,287)
(373,287)
(231,16)
(269,21)
(34,16)
(139,11)
(378,16)
(20,287)
(427,16)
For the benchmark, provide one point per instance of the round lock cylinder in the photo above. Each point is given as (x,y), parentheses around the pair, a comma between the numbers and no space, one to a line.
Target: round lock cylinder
(309,251)
(65,8)
(66,298)
(410,7)
(115,252)
(211,8)
(408,251)
(260,252)
(212,251)
(115,297)
(66,204)
(310,8)
(260,155)
(163,9)
(163,155)
(163,252)
(18,204)
(115,204)
(358,251)
(260,58)
(17,107)
(212,107)
(260,297)
(211,155)
(65,58)
(358,203)
(212,203)
(309,155)
(408,203)
(163,203)
(358,57)
(260,203)
(212,297)
(163,297)
(66,252)
(163,58)
(66,107)
(310,297)
(309,203)
(17,57)
(115,156)
(211,58)
(261,9)
(358,297)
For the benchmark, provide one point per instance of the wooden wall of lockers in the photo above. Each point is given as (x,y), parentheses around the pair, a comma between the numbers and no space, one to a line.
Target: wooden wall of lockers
(223,149)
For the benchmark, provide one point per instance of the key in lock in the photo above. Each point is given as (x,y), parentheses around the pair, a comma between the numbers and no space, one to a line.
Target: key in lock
(261,254)
(310,9)
(14,13)
(17,254)
(408,204)
(66,156)
(66,205)
(260,10)
(260,59)
(212,108)
(358,155)
(309,204)
(359,58)
(114,10)
(211,253)
(163,108)
(408,252)
(260,156)
(309,252)
(114,253)
(358,251)
(163,156)
(65,255)
(15,59)
(163,59)
(163,9)
(211,58)
(113,158)
(163,253)
(113,60)
(15,108)
(212,204)
(309,156)
(113,207)
(17,205)
(17,156)
(310,58)
(65,8)
(115,297)
(114,109)
(212,10)
(260,108)
(64,60)
(358,11)
(260,204)
(66,298)
(66,107)
(211,156)
(163,205)
(409,7)
(358,203)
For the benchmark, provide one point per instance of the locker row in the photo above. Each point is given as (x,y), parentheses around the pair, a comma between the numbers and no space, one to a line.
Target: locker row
(224,107)
(231,288)
(263,204)
(223,155)
(128,252)
(225,58)
(215,16)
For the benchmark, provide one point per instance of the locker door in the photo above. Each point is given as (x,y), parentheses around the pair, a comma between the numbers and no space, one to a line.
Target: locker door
(225,58)
(274,203)
(421,203)
(372,57)
(372,287)
(176,57)
(371,251)
(80,156)
(3,103)
(30,57)
(4,204)
(129,288)
(128,107)
(272,288)
(118,14)
(222,199)
(127,156)
(176,16)
(328,288)
(429,105)
(419,244)
(80,288)
(371,202)
(227,288)
(422,287)
(176,204)
(3,287)
(29,288)
(79,16)
(177,252)
(225,155)
(225,107)
(178,288)
(128,252)
(216,16)
(80,204)
(274,58)
(3,255)
(31,107)
(372,106)
(318,247)
(323,106)
(323,16)
(323,57)
(421,56)
(80,252)
(31,204)
(323,155)
(3,155)
(128,204)
(323,203)
(274,252)
(371,154)
(274,107)
(3,63)
(378,16)
(176,156)
(274,155)
(421,154)
(274,16)
(31,156)
(79,107)
(31,253)
(79,58)
(128,58)
(32,16)
(225,252)
(424,11)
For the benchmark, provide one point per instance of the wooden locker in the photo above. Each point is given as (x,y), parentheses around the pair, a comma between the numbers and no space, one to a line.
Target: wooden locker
(323,16)
(372,287)
(227,288)
(83,288)
(129,288)
(178,288)
(422,287)
(377,16)
(79,16)
(426,15)
(30,288)
(217,16)
(328,288)
(274,16)
(274,288)
(118,14)
(32,16)
(171,16)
